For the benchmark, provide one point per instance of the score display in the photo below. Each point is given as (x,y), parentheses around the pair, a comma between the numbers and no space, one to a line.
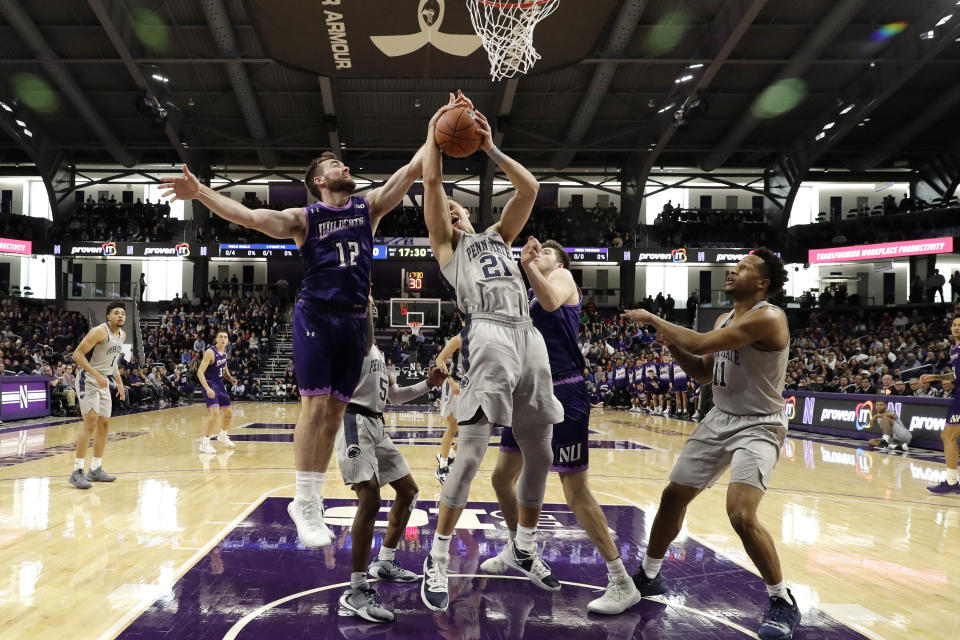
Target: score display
(414,280)
(259,251)
(412,252)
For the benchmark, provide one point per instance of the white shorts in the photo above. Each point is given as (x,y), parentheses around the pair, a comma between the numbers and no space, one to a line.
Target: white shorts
(91,396)
(749,445)
(364,451)
(448,401)
(506,373)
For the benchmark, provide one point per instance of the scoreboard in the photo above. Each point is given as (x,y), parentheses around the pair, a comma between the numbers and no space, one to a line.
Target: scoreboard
(387,252)
(259,251)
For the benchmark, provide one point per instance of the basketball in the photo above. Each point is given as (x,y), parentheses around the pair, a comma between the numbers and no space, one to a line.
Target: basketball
(458,133)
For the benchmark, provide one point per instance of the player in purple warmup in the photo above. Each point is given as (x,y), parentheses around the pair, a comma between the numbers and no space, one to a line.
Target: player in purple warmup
(335,237)
(951,431)
(215,393)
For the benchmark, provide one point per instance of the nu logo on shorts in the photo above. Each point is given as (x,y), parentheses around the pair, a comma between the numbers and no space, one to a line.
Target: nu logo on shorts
(569,453)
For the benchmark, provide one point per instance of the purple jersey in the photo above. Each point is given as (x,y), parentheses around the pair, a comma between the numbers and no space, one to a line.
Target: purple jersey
(337,254)
(219,366)
(955,362)
(560,329)
(620,376)
(679,377)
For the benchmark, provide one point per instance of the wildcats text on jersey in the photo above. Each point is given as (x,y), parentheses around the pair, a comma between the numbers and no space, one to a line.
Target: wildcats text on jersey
(327,227)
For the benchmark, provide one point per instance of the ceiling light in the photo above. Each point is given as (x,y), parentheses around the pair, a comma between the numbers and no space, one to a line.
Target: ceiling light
(21,123)
(866,119)
(861,124)
(666,108)
(695,66)
(6,107)
(683,79)
(944,20)
(829,125)
(820,136)
(160,78)
(927,35)
(847,109)
(27,133)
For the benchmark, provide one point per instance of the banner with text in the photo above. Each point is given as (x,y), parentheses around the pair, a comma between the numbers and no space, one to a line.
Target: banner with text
(882,251)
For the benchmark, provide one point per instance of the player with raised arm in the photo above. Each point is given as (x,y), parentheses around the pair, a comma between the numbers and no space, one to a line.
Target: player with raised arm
(368,460)
(555,303)
(506,376)
(951,430)
(335,238)
(448,404)
(745,359)
(97,356)
(215,394)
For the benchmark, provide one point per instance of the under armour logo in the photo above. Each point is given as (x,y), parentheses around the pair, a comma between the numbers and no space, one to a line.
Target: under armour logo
(311,334)
(430,17)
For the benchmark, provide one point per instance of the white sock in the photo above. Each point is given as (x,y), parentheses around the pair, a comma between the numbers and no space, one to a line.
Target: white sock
(952,476)
(440,552)
(778,590)
(526,538)
(651,566)
(304,485)
(386,553)
(358,579)
(317,484)
(222,433)
(204,441)
(95,463)
(616,568)
(444,462)
(78,463)
(886,438)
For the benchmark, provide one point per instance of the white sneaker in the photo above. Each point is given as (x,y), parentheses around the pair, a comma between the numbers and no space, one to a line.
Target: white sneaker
(206,447)
(224,439)
(308,516)
(621,594)
(498,563)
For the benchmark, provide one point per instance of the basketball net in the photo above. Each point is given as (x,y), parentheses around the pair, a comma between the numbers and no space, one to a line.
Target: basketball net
(506,30)
(415,327)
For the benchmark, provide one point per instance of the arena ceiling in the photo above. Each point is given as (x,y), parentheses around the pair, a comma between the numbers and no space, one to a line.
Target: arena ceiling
(766,78)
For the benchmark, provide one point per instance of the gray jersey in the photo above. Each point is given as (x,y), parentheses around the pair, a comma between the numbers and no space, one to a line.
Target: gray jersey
(105,355)
(749,380)
(484,276)
(371,391)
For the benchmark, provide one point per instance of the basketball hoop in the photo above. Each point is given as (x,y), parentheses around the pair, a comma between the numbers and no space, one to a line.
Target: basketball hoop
(415,327)
(506,30)
(415,322)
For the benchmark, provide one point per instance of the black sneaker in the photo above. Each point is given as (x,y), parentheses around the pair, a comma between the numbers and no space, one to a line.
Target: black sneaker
(783,618)
(533,566)
(650,586)
(434,590)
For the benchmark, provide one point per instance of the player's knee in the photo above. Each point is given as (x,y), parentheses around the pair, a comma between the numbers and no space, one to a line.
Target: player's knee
(575,487)
(741,518)
(408,497)
(368,499)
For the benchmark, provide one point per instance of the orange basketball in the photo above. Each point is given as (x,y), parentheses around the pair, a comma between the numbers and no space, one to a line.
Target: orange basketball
(458,133)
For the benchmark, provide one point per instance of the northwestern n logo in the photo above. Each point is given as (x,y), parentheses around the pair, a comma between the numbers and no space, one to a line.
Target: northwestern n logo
(430,17)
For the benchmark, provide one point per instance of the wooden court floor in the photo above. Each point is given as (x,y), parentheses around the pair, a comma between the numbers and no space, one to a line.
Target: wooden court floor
(859,537)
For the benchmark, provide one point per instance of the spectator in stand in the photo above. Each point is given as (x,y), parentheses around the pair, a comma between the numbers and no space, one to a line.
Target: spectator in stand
(866,386)
(886,387)
(955,286)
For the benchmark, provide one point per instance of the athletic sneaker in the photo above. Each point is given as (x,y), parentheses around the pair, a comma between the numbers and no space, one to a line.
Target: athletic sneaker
(783,618)
(649,586)
(498,563)
(206,447)
(99,475)
(77,479)
(434,590)
(308,516)
(224,439)
(390,571)
(944,488)
(621,594)
(364,602)
(532,565)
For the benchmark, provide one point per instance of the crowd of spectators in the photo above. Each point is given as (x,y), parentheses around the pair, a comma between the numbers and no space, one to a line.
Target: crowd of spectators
(677,227)
(13,225)
(108,219)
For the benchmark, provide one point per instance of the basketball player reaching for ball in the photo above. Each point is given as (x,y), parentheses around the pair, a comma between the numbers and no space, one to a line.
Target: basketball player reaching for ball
(215,393)
(506,375)
(745,358)
(368,460)
(335,238)
(448,404)
(97,356)
(555,302)
(951,431)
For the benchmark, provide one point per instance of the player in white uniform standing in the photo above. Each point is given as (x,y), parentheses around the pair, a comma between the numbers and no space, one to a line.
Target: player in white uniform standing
(368,460)
(506,371)
(745,359)
(97,356)
(449,401)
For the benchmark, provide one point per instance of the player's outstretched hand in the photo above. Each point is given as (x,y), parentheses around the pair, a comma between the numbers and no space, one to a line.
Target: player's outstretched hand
(442,365)
(926,378)
(487,143)
(638,315)
(181,188)
(530,251)
(455,101)
(436,377)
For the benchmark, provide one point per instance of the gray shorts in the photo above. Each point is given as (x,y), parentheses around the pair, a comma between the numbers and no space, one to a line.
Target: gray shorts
(749,445)
(448,401)
(364,451)
(91,396)
(507,373)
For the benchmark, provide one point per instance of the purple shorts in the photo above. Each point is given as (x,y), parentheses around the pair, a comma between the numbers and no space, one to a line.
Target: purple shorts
(679,386)
(220,399)
(571,446)
(328,350)
(953,411)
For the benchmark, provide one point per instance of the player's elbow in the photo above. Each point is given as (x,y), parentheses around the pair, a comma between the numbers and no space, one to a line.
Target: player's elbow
(527,188)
